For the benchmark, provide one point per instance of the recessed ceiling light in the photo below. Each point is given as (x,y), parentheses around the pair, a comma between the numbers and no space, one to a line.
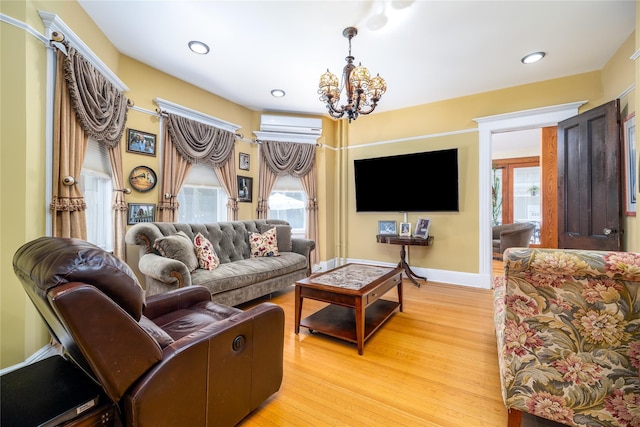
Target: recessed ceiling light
(199,47)
(278,93)
(532,57)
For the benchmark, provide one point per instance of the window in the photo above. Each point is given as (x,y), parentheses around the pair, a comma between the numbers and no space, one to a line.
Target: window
(202,199)
(288,202)
(97,188)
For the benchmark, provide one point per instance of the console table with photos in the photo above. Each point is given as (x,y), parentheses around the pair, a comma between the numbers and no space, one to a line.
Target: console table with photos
(403,242)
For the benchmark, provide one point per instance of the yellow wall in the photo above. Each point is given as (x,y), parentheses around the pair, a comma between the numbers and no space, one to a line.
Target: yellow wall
(454,233)
(23,206)
(343,233)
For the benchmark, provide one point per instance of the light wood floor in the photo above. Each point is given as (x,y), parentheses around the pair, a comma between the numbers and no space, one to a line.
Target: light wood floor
(434,364)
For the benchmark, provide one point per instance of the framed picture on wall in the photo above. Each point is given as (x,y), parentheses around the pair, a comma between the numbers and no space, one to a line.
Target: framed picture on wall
(141,142)
(245,189)
(140,212)
(244,161)
(630,171)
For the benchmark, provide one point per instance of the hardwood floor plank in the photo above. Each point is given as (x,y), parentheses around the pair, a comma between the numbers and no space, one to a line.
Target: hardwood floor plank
(433,365)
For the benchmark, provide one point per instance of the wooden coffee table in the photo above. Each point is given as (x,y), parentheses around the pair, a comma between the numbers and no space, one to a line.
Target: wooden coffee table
(355,309)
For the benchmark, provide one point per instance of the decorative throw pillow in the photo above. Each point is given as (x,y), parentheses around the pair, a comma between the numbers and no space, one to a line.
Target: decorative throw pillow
(207,257)
(156,332)
(283,234)
(264,244)
(179,247)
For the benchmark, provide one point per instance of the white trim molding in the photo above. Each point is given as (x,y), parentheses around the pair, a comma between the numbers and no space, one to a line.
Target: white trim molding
(26,27)
(189,113)
(53,23)
(487,126)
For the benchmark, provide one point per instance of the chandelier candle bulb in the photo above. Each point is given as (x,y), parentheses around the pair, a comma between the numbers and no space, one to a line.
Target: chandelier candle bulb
(362,91)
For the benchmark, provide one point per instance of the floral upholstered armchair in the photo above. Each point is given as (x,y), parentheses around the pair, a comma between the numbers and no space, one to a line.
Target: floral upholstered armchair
(568,331)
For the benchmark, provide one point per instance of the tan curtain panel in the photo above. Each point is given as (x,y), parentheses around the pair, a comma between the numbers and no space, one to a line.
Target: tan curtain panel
(99,112)
(175,170)
(266,181)
(119,204)
(227,177)
(200,143)
(69,147)
(100,106)
(310,186)
(288,158)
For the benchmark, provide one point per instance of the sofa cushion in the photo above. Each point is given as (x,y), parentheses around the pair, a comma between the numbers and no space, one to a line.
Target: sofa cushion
(264,244)
(283,234)
(179,247)
(237,274)
(207,257)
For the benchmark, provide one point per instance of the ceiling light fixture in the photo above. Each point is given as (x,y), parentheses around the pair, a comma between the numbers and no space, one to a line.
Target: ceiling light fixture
(198,47)
(278,93)
(363,92)
(533,57)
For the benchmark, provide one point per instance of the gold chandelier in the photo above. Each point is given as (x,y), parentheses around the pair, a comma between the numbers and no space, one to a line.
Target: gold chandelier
(363,92)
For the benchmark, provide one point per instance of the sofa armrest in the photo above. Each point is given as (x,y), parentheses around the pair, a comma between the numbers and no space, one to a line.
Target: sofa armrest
(229,367)
(165,270)
(166,302)
(303,247)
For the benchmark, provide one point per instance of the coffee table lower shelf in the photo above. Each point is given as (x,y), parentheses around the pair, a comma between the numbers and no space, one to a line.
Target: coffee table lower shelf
(340,322)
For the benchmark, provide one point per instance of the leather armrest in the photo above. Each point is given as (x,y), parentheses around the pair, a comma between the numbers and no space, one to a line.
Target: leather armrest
(176,299)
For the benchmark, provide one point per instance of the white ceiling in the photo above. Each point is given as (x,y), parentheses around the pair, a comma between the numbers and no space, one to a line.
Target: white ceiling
(427,51)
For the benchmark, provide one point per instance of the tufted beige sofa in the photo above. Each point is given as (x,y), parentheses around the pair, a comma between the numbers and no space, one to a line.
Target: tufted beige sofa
(239,277)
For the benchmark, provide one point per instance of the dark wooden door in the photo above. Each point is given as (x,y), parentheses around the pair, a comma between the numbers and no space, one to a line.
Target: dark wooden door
(589,178)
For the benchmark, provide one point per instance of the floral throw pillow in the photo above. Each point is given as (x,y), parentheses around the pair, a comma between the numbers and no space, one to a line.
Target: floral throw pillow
(265,244)
(207,257)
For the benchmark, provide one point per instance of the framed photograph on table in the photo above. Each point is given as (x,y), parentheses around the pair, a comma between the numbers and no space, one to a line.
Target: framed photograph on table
(141,142)
(245,189)
(405,229)
(422,228)
(387,228)
(630,171)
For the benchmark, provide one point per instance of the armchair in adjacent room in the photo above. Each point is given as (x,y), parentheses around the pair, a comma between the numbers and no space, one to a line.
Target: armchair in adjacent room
(516,235)
(176,359)
(568,333)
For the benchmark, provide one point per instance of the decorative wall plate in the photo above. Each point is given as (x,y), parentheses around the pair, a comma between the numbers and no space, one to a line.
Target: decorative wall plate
(142,178)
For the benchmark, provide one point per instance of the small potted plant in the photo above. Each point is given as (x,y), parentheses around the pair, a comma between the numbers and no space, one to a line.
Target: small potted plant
(533,190)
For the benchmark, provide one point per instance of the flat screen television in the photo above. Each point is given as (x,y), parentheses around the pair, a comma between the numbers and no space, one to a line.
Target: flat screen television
(418,182)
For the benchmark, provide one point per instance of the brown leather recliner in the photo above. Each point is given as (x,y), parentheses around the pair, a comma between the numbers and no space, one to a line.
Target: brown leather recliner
(176,359)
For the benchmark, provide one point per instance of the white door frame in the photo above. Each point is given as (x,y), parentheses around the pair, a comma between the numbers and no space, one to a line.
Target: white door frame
(487,126)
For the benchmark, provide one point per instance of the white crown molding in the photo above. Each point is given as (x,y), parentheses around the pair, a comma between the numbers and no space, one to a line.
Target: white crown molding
(53,23)
(28,28)
(173,108)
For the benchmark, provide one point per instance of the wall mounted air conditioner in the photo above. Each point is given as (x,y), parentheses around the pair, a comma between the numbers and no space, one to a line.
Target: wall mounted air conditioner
(292,129)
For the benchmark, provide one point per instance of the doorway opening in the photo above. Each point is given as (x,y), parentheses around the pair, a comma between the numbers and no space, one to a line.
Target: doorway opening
(487,127)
